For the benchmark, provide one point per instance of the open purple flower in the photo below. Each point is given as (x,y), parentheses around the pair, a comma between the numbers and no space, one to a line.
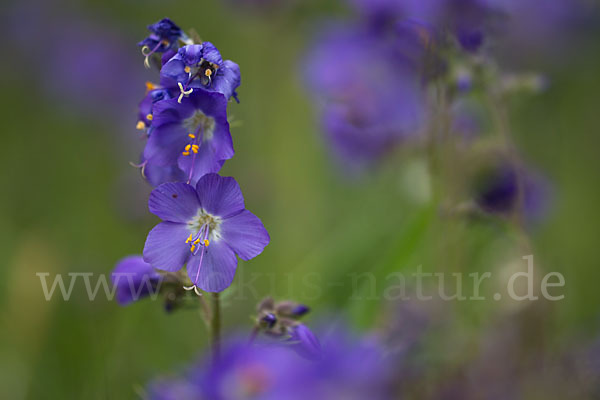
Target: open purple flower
(134,279)
(200,66)
(204,227)
(193,134)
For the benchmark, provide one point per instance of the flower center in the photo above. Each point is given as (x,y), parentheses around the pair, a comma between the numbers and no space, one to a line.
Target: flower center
(200,122)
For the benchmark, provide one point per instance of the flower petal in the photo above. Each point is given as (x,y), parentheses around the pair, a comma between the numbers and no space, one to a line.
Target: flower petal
(217,270)
(220,196)
(245,234)
(134,279)
(165,246)
(165,144)
(174,202)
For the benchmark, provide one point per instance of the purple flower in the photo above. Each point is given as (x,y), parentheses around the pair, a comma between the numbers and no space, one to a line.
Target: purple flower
(369,91)
(134,279)
(164,34)
(204,227)
(153,94)
(193,134)
(200,66)
(349,369)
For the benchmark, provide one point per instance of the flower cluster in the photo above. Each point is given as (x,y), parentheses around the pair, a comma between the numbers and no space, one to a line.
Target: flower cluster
(421,75)
(185,122)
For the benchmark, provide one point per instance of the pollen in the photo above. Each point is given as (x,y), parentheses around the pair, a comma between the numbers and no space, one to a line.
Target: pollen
(187,148)
(195,148)
(189,239)
(149,117)
(187,69)
(208,73)
(192,248)
(140,125)
(206,242)
(186,153)
(150,86)
(192,136)
(165,42)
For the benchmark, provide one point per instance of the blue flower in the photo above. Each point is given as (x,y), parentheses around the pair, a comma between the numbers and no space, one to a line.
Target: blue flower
(164,34)
(200,66)
(193,135)
(204,227)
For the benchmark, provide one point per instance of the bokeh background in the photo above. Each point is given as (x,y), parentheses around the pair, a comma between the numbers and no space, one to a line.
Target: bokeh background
(72,76)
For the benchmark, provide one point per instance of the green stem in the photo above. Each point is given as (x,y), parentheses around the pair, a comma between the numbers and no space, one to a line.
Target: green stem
(216,328)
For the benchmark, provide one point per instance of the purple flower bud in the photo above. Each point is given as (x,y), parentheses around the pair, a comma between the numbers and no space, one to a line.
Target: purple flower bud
(300,310)
(305,343)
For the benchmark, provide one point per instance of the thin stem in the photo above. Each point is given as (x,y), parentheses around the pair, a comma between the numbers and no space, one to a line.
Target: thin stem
(216,328)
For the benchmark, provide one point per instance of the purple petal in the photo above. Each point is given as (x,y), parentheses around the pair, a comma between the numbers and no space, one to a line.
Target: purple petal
(174,202)
(220,196)
(245,234)
(133,278)
(165,246)
(165,144)
(217,270)
(211,54)
(228,79)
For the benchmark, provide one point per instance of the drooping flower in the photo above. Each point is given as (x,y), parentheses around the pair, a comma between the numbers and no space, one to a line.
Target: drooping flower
(154,94)
(193,135)
(200,66)
(203,227)
(134,279)
(164,34)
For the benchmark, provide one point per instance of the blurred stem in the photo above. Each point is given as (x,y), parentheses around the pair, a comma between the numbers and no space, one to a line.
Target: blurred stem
(216,328)
(205,312)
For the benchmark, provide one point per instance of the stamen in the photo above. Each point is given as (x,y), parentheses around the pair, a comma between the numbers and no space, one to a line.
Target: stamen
(187,69)
(149,117)
(194,288)
(183,92)
(189,239)
(150,86)
(140,125)
(195,148)
(187,148)
(186,153)
(208,73)
(206,242)
(191,135)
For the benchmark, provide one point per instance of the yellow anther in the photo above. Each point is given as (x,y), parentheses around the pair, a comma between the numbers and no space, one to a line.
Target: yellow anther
(191,135)
(150,86)
(192,248)
(195,148)
(206,242)
(208,73)
(140,125)
(196,241)
(189,239)
(186,153)
(188,147)
(187,69)
(149,117)
(165,42)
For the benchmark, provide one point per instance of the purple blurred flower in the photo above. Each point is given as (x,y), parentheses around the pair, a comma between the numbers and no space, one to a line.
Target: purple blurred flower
(134,279)
(193,134)
(370,94)
(204,227)
(200,66)
(350,369)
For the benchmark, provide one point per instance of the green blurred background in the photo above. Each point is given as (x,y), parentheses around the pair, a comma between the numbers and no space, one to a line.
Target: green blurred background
(71,202)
